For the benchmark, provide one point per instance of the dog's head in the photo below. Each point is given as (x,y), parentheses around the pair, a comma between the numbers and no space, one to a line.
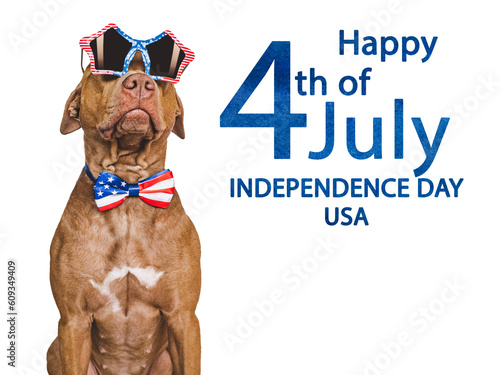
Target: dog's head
(129,109)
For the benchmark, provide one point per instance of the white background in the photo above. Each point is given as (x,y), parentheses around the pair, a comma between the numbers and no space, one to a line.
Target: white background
(365,294)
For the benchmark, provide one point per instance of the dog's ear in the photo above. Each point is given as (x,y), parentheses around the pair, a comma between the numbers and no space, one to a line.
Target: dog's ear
(178,129)
(71,116)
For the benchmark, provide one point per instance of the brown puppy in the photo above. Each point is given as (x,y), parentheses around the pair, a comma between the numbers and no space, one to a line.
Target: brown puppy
(126,281)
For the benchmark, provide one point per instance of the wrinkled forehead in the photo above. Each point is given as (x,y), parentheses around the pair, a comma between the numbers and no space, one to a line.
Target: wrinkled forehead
(137,62)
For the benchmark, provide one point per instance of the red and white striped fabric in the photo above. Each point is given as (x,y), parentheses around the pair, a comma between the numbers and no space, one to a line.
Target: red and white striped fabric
(110,191)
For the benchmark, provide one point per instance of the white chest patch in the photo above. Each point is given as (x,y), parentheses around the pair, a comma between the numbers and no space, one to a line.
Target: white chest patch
(148,277)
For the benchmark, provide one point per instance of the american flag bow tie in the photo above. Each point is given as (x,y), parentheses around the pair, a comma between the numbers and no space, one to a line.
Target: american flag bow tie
(110,190)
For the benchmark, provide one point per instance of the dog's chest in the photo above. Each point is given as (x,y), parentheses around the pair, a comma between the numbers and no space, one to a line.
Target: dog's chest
(122,283)
(134,258)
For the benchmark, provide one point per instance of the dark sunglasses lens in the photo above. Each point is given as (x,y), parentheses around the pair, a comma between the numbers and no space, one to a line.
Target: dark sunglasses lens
(166,57)
(110,50)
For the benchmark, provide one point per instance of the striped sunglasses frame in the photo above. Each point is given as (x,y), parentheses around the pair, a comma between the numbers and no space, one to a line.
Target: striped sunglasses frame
(180,56)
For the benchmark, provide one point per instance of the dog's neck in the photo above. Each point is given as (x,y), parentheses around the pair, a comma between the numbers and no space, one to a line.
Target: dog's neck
(131,161)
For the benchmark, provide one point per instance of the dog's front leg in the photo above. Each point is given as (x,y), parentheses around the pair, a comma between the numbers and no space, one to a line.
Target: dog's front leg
(75,344)
(184,343)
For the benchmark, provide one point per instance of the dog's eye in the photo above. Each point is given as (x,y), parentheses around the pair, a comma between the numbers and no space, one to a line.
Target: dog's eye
(161,84)
(107,78)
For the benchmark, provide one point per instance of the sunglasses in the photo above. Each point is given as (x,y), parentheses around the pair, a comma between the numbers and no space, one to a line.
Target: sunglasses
(111,51)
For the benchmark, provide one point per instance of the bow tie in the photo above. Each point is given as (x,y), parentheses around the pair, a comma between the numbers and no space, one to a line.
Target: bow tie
(110,190)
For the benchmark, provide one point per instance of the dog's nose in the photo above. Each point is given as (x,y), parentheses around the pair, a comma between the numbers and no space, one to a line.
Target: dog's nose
(139,85)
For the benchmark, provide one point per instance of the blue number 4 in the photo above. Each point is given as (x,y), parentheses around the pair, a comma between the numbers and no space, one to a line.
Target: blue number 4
(281,120)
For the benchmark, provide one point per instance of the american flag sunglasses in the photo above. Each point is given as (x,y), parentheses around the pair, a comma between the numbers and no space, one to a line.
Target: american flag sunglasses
(111,51)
